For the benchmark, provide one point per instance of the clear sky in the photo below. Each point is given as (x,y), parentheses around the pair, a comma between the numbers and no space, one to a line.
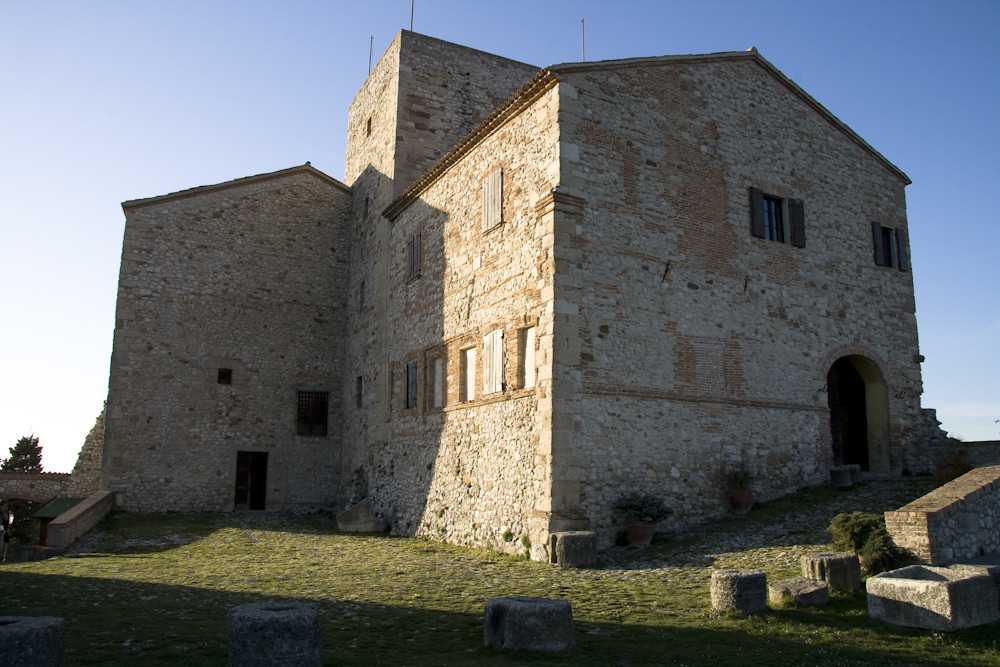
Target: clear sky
(109,100)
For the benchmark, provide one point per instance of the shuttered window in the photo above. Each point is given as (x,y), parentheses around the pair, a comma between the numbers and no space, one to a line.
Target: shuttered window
(410,400)
(493,200)
(467,361)
(493,369)
(437,386)
(777,219)
(526,344)
(413,257)
(891,247)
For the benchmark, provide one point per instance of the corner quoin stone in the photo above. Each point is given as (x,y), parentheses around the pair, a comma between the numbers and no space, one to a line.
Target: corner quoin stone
(274,634)
(529,624)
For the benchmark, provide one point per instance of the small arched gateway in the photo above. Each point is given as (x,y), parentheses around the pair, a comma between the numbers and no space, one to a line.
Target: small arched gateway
(859,413)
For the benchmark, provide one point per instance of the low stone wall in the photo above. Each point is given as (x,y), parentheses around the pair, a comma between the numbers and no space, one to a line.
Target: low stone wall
(77,521)
(960,520)
(38,487)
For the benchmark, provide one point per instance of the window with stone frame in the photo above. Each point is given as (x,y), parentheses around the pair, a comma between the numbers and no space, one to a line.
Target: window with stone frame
(313,411)
(413,257)
(410,389)
(891,247)
(493,200)
(493,362)
(777,219)
(467,382)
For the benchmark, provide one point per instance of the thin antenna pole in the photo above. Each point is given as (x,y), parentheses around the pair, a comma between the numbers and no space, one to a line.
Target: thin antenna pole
(583,42)
(411,15)
(371,43)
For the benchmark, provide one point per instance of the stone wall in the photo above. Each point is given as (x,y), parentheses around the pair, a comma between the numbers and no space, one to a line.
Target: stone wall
(955,522)
(685,345)
(247,277)
(473,470)
(38,487)
(86,476)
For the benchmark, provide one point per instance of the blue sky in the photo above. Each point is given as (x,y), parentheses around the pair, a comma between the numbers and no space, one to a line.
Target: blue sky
(110,100)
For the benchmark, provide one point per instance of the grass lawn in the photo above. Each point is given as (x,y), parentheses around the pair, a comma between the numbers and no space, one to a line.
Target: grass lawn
(155,589)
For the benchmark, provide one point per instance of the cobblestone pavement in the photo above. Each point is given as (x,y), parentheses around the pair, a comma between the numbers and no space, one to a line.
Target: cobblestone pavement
(774,535)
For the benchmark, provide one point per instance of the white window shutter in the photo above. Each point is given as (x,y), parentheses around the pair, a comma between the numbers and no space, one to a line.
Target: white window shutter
(493,362)
(493,200)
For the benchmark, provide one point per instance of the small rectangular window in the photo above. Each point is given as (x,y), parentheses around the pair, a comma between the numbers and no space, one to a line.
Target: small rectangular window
(493,362)
(410,395)
(777,219)
(437,382)
(225,376)
(467,361)
(891,248)
(526,350)
(493,200)
(313,409)
(413,257)
(358,391)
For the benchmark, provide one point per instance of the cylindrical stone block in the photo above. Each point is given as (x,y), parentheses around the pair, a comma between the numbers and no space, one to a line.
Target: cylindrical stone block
(529,624)
(274,634)
(743,591)
(840,569)
(39,641)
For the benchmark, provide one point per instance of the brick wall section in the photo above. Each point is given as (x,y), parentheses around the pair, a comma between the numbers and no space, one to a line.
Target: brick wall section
(955,522)
(248,276)
(685,344)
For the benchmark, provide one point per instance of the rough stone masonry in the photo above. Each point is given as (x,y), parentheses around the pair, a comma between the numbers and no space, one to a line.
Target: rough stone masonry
(541,289)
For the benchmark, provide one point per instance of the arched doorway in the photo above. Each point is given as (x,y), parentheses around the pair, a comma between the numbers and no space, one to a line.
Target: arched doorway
(859,419)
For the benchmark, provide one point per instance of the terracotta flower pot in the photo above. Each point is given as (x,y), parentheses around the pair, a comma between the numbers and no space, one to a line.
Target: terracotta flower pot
(741,501)
(640,533)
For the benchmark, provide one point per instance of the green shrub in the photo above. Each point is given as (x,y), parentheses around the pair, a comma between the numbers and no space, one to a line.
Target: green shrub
(865,534)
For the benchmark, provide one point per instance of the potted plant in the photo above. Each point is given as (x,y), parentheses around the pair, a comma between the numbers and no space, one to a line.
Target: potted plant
(738,486)
(642,513)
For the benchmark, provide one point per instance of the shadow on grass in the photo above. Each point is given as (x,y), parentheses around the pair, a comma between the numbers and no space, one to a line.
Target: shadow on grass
(124,622)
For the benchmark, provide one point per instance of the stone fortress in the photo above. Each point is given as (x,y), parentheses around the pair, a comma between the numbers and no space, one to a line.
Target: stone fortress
(541,290)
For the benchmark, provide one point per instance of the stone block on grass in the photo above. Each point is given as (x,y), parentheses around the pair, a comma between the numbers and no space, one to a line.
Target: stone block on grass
(529,624)
(274,634)
(361,518)
(799,591)
(933,598)
(573,548)
(839,569)
(39,641)
(743,591)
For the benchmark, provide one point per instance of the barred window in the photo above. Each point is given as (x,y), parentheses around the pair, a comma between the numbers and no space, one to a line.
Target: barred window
(312,413)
